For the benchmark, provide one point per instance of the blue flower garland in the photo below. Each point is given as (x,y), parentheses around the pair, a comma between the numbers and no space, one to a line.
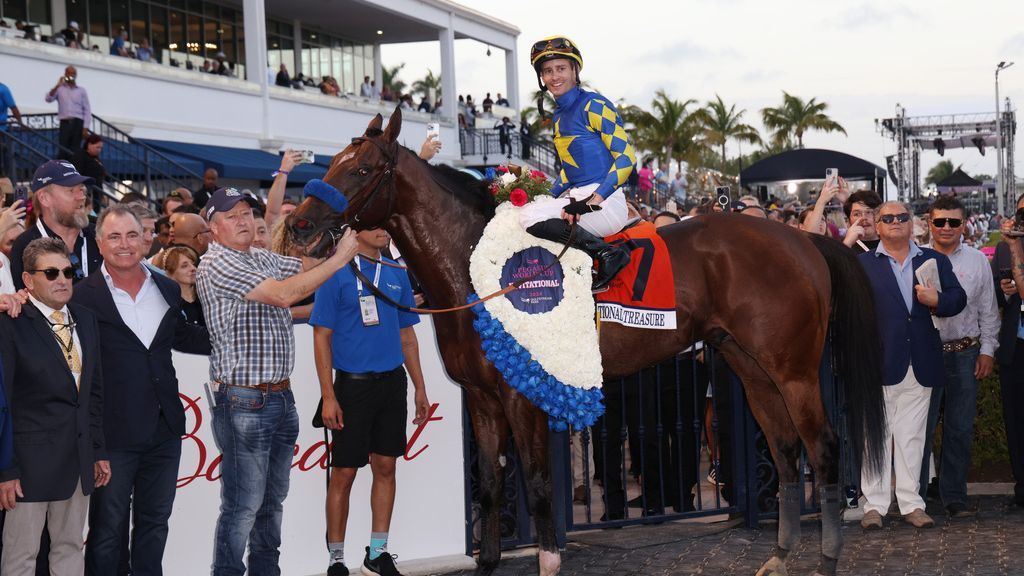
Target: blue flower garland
(565,405)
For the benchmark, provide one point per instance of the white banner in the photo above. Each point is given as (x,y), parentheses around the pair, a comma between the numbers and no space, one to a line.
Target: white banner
(429,518)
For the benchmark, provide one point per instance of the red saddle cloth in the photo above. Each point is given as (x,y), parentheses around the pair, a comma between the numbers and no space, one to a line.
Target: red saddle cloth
(643,294)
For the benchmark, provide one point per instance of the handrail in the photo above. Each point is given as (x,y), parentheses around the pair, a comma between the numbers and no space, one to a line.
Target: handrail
(30,158)
(487,142)
(155,172)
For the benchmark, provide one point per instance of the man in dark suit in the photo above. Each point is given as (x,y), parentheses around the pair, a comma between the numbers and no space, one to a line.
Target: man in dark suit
(53,380)
(60,200)
(1008,267)
(140,320)
(912,357)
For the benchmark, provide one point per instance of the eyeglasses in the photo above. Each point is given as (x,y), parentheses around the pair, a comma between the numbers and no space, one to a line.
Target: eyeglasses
(953,222)
(890,218)
(51,273)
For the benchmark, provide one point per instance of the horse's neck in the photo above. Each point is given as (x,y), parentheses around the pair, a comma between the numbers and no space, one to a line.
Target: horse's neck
(436,234)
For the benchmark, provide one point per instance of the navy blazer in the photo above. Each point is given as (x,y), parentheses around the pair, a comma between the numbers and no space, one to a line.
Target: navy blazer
(140,382)
(58,430)
(6,428)
(911,338)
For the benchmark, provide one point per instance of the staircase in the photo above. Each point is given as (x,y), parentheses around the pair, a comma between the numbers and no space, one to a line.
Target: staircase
(483,146)
(132,165)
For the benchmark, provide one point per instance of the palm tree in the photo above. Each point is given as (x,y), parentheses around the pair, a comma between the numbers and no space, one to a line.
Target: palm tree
(795,117)
(428,85)
(390,78)
(939,172)
(670,131)
(725,123)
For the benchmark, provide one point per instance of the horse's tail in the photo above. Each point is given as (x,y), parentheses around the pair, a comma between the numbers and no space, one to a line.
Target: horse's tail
(856,346)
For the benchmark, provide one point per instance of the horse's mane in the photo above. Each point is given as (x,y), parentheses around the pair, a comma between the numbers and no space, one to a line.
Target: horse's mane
(472,192)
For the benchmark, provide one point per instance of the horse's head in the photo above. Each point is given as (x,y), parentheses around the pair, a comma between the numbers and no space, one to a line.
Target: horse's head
(365,173)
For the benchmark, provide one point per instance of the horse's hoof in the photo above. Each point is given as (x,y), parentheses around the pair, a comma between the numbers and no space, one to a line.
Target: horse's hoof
(550,562)
(773,567)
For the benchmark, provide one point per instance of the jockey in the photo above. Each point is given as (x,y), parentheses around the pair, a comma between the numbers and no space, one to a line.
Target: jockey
(596,158)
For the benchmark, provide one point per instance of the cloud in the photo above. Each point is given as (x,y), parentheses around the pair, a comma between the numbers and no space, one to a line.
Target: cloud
(868,16)
(686,50)
(1013,45)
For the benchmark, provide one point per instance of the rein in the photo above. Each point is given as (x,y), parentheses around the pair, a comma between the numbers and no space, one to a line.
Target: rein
(513,286)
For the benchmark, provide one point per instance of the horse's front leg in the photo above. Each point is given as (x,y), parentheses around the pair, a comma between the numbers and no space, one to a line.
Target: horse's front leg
(532,437)
(490,429)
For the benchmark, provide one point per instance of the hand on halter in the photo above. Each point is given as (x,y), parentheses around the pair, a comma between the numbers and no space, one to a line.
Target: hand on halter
(346,249)
(578,208)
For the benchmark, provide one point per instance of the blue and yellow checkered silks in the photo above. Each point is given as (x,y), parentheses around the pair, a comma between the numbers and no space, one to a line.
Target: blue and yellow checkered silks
(591,142)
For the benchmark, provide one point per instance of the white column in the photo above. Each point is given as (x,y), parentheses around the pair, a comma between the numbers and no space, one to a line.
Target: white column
(512,77)
(448,94)
(378,67)
(297,42)
(255,21)
(59,16)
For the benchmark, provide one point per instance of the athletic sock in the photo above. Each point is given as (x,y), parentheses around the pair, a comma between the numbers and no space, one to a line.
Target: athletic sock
(378,544)
(337,552)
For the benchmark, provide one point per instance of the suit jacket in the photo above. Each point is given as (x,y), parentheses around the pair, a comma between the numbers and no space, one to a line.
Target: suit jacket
(1010,306)
(141,385)
(6,428)
(58,430)
(911,338)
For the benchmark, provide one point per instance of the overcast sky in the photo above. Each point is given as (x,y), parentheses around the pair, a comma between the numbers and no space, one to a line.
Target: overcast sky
(862,58)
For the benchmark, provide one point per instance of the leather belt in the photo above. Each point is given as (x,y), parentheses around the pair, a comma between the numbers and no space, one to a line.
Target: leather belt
(959,345)
(367,375)
(281,386)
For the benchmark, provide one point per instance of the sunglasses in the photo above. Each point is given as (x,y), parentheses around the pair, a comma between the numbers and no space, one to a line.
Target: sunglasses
(890,218)
(552,44)
(953,222)
(51,273)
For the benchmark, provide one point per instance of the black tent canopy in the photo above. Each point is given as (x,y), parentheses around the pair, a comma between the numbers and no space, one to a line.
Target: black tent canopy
(958,179)
(810,164)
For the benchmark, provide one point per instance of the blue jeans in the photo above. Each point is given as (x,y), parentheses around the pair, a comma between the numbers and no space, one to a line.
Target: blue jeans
(256,434)
(961,392)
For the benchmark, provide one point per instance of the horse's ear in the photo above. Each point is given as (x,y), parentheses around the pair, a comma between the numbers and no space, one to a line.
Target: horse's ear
(375,124)
(394,126)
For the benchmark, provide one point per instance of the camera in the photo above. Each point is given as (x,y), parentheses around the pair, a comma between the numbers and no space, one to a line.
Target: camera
(722,192)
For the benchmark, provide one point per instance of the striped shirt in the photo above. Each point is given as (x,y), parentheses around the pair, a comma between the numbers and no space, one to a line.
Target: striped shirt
(252,342)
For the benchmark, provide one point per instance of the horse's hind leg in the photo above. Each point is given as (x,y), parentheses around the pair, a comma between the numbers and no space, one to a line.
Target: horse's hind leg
(490,429)
(771,414)
(532,438)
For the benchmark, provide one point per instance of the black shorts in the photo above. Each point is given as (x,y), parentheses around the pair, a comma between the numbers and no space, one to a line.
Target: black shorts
(374,413)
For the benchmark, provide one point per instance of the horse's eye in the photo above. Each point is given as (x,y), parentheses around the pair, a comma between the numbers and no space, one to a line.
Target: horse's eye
(363,171)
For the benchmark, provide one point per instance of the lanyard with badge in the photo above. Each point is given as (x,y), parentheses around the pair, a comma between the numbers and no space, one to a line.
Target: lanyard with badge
(368,303)
(83,266)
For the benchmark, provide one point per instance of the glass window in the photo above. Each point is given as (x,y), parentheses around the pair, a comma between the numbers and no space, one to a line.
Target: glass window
(118,17)
(158,28)
(180,4)
(357,64)
(211,38)
(140,18)
(196,49)
(195,6)
(14,9)
(211,10)
(77,12)
(98,18)
(176,33)
(227,43)
(348,69)
(39,11)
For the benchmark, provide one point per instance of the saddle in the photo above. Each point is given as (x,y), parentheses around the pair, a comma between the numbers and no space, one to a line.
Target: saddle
(643,294)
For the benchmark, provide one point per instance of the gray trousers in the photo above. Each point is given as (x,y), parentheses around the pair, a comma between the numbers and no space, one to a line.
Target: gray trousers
(24,525)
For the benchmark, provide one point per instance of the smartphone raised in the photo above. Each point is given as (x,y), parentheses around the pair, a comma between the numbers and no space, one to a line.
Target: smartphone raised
(1005,274)
(831,175)
(21,193)
(306,157)
(434,129)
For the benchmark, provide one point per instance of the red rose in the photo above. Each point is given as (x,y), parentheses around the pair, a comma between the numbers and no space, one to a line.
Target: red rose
(518,197)
(538,175)
(502,168)
(494,188)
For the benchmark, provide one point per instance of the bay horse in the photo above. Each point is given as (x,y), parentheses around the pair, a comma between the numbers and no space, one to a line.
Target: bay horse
(761,292)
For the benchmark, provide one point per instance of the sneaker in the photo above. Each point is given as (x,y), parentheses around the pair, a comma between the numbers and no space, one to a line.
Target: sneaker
(872,520)
(337,569)
(383,565)
(918,519)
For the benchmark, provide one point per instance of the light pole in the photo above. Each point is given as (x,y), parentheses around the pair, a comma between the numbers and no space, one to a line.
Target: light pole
(1000,196)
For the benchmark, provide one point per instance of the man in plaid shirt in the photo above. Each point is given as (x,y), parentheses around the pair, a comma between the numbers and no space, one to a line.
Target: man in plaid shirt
(246,293)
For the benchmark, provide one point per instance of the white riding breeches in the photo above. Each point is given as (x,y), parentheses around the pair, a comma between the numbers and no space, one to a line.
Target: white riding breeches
(612,217)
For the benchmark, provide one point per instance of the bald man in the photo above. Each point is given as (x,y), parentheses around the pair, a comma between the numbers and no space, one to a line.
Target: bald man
(202,196)
(190,230)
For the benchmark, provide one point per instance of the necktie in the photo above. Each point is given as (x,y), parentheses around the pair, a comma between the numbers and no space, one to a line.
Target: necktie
(67,342)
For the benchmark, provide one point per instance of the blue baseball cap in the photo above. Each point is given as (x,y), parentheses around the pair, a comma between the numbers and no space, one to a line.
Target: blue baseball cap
(60,172)
(224,199)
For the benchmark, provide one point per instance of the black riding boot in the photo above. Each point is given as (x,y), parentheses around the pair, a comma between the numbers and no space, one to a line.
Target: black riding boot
(610,259)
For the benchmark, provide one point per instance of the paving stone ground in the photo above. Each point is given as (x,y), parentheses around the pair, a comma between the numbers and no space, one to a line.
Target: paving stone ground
(991,543)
